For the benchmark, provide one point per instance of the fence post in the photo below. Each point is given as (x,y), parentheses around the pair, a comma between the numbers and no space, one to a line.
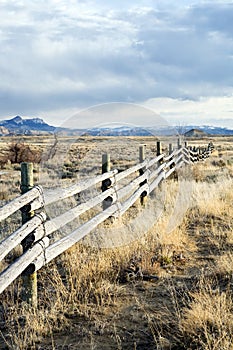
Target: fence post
(159,151)
(170,148)
(174,174)
(203,153)
(158,148)
(142,157)
(199,151)
(106,167)
(29,282)
(209,149)
(179,143)
(194,150)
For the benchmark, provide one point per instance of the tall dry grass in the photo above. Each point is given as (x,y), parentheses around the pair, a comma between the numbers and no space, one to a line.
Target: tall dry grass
(207,321)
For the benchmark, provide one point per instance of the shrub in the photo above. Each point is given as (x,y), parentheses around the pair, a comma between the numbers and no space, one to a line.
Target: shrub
(19,152)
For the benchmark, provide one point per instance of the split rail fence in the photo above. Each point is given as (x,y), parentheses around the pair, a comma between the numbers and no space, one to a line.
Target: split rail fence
(36,231)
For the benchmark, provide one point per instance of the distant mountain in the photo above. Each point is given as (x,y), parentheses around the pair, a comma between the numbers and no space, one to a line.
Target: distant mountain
(18,125)
(194,131)
(36,126)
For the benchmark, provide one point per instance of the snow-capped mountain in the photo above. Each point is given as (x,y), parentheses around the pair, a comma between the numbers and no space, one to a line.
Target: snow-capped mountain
(35,126)
(18,125)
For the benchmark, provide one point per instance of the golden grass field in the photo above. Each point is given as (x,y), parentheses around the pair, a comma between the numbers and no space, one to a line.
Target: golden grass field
(92,298)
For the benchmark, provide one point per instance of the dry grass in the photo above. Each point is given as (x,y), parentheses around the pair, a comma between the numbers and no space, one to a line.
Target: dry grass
(208,320)
(92,298)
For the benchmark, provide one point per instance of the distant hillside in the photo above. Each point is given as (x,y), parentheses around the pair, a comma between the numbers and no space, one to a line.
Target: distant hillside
(195,133)
(119,131)
(209,130)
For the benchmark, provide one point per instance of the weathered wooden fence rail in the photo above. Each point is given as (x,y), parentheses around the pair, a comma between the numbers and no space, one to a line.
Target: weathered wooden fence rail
(116,198)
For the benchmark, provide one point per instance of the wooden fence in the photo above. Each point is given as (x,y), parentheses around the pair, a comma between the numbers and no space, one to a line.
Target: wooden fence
(114,196)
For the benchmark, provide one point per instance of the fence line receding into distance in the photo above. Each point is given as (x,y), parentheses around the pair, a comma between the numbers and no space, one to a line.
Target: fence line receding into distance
(114,196)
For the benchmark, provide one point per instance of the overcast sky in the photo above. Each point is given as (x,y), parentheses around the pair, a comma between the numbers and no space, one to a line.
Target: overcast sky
(61,56)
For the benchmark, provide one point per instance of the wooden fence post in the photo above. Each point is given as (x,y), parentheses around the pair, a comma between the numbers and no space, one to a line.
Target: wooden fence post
(158,148)
(26,185)
(174,174)
(203,151)
(193,149)
(210,147)
(29,282)
(142,153)
(159,151)
(142,157)
(106,167)
(179,145)
(199,153)
(170,148)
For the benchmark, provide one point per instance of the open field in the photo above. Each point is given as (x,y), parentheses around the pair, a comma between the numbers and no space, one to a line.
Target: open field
(93,298)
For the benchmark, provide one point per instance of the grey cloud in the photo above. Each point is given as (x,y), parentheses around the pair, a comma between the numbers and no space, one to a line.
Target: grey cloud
(189,52)
(212,17)
(64,58)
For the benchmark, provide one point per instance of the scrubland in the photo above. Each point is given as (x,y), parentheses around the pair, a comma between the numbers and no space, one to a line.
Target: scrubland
(171,288)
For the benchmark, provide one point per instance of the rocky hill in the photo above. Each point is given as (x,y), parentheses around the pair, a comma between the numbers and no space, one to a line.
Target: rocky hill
(195,133)
(18,125)
(4,131)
